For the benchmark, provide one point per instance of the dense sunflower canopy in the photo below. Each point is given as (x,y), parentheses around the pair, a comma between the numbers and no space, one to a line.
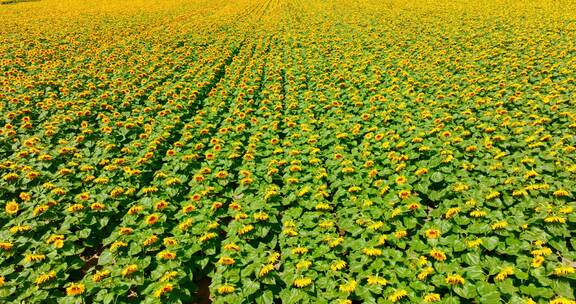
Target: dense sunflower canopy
(286,151)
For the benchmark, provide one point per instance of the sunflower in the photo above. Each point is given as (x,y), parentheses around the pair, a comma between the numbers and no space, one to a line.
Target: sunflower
(226,289)
(302,282)
(397,295)
(348,287)
(12,207)
(75,289)
(454,279)
(438,255)
(152,219)
(432,297)
(129,270)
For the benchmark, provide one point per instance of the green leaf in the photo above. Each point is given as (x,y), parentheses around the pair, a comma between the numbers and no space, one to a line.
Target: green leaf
(106,258)
(507,287)
(451,300)
(471,259)
(490,298)
(84,233)
(475,273)
(535,292)
(490,243)
(266,298)
(437,177)
(249,287)
(291,295)
(467,290)
(562,288)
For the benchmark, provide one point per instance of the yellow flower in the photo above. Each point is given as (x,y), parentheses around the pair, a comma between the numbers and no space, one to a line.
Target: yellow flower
(117,244)
(16,229)
(25,196)
(302,282)
(396,212)
(460,187)
(152,219)
(555,219)
(375,280)
(265,270)
(231,246)
(432,233)
(563,270)
(99,275)
(504,273)
(130,269)
(372,251)
(454,279)
(54,237)
(404,194)
(537,261)
(226,260)
(531,173)
(261,216)
(299,250)
(338,265)
(40,209)
(561,193)
(438,255)
(10,177)
(226,289)
(34,257)
(12,207)
(135,210)
(562,300)
(499,225)
(151,240)
(452,212)
(75,289)
(492,195)
(125,230)
(421,171)
(397,295)
(58,244)
(478,213)
(323,206)
(305,264)
(245,229)
(6,246)
(43,278)
(474,243)
(163,290)
(166,255)
(432,297)
(75,208)
(400,234)
(544,251)
(207,236)
(170,241)
(425,273)
(97,206)
(422,261)
(273,258)
(350,286)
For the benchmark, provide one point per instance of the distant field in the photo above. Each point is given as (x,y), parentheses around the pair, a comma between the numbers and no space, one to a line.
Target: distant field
(284,151)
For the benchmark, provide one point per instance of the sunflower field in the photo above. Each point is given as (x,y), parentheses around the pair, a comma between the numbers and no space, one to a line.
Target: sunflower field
(288,151)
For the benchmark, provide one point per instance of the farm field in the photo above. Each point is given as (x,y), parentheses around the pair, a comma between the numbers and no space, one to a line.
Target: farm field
(287,151)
